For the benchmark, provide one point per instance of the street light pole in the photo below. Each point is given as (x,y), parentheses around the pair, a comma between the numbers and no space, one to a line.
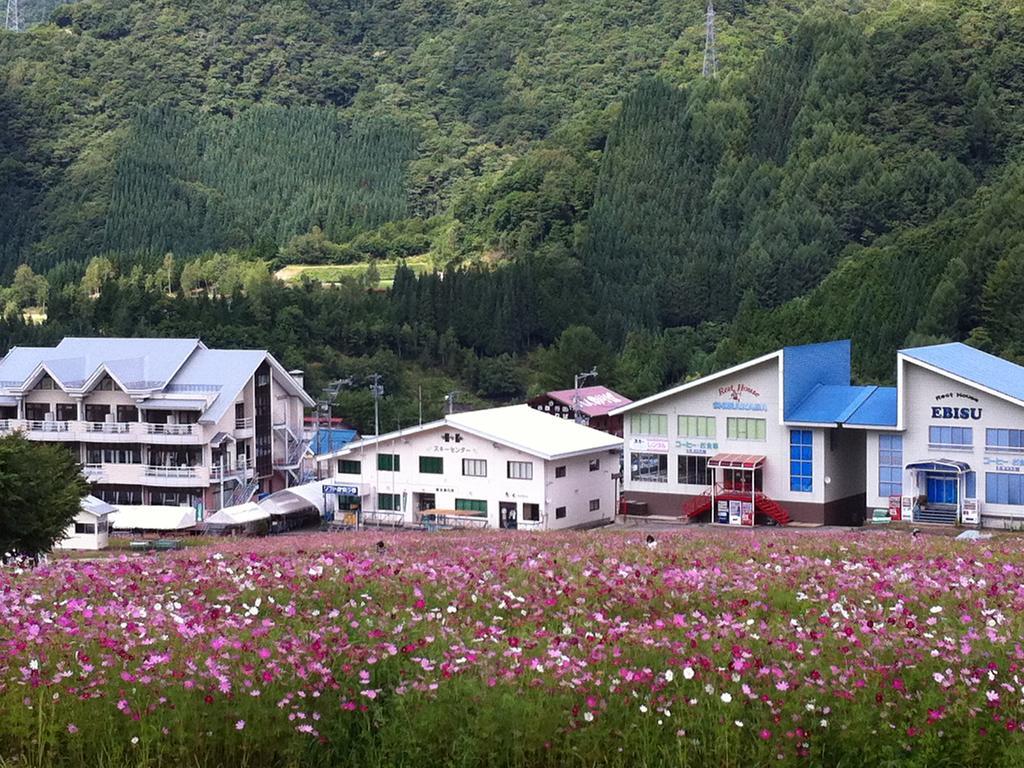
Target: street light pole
(580,377)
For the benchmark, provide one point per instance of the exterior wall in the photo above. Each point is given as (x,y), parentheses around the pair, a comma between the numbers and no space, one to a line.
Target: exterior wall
(752,393)
(843,476)
(89,541)
(573,491)
(923,390)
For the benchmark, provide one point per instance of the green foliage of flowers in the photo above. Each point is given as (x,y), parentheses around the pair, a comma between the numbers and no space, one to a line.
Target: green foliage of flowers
(712,648)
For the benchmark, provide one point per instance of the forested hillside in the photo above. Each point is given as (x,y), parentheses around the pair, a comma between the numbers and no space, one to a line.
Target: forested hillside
(853,171)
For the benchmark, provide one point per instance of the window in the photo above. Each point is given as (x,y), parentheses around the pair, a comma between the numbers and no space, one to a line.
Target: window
(693,470)
(1005,439)
(971,481)
(391,502)
(559,513)
(85,528)
(389,462)
(349,467)
(649,468)
(114,454)
(801,460)
(127,413)
(531,512)
(520,470)
(890,465)
(560,471)
(1002,488)
(595,464)
(46,383)
(951,437)
(471,505)
(67,412)
(744,429)
(595,504)
(697,426)
(474,467)
(648,424)
(431,465)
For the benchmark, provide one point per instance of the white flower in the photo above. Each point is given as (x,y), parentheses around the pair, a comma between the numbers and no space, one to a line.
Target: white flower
(739,723)
(588,716)
(669,675)
(34,665)
(643,708)
(688,673)
(824,723)
(726,697)
(938,677)
(135,739)
(936,609)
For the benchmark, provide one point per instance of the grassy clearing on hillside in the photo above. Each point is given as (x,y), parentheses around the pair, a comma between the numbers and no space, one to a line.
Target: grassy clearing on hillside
(332,273)
(719,648)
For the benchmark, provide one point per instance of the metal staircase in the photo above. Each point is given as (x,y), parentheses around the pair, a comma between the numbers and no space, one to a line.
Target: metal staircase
(701,505)
(242,492)
(935,515)
(295,448)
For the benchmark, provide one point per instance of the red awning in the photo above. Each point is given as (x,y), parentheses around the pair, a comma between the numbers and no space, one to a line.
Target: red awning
(735,461)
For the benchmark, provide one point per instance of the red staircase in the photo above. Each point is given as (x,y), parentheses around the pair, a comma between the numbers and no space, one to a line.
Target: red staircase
(700,505)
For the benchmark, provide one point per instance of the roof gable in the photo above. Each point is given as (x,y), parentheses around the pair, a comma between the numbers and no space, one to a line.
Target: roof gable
(972,366)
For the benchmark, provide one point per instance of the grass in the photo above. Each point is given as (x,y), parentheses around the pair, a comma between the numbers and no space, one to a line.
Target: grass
(333,273)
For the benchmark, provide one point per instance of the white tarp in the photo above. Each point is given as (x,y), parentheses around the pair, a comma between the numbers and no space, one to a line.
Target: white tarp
(96,507)
(295,499)
(146,517)
(240,514)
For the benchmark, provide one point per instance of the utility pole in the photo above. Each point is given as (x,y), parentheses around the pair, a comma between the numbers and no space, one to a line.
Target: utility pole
(577,415)
(12,20)
(377,390)
(710,52)
(450,399)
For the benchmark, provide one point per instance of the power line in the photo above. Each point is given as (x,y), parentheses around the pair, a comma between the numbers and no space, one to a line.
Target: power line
(12,20)
(710,50)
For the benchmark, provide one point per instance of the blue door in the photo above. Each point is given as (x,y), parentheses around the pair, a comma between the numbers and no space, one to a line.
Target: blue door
(942,489)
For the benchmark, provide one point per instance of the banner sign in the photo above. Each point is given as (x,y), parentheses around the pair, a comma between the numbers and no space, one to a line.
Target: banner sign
(341,490)
(655,444)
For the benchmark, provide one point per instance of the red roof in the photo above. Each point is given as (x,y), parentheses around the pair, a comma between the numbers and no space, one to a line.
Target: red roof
(594,401)
(736,461)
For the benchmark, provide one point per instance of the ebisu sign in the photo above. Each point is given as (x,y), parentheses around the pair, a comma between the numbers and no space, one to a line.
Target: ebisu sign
(738,397)
(955,410)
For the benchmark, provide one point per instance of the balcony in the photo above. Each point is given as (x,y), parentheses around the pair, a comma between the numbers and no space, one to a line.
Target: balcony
(106,431)
(240,469)
(154,470)
(244,428)
(173,434)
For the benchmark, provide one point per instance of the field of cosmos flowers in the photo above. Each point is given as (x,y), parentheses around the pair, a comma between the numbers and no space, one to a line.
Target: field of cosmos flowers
(714,648)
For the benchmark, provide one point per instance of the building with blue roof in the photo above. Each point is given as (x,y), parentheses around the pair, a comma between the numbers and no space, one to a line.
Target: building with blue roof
(787,437)
(161,422)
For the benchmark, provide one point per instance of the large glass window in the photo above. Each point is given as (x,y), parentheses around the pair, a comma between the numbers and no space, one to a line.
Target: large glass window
(648,424)
(474,467)
(737,428)
(1004,488)
(890,465)
(531,512)
(649,467)
(696,426)
(389,462)
(471,505)
(431,465)
(693,470)
(1009,440)
(951,437)
(801,460)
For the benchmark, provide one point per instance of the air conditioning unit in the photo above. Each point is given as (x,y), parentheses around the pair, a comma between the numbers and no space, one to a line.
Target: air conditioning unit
(50,416)
(109,418)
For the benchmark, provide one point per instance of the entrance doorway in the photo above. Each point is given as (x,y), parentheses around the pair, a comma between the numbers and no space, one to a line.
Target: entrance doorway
(942,490)
(508,515)
(425,501)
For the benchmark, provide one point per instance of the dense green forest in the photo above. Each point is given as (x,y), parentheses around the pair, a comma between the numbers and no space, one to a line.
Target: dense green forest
(585,195)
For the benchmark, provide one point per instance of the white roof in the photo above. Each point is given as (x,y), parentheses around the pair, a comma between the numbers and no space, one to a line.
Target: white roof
(146,517)
(238,515)
(516,426)
(96,507)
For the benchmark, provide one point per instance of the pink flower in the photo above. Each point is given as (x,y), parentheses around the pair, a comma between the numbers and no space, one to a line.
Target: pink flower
(240,725)
(765,734)
(72,728)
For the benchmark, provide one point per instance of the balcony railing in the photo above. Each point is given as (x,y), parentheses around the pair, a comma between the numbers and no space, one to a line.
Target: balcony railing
(244,423)
(151,470)
(8,425)
(108,427)
(49,426)
(171,429)
(239,467)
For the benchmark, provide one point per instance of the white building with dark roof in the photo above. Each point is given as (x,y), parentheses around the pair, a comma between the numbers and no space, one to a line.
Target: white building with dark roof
(160,422)
(509,467)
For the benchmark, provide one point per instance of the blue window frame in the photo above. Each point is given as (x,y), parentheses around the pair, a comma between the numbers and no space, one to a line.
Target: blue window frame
(971,483)
(1003,488)
(951,437)
(890,465)
(1006,439)
(801,460)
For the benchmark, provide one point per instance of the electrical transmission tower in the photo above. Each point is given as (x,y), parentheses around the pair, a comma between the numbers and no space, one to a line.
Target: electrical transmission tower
(12,20)
(710,53)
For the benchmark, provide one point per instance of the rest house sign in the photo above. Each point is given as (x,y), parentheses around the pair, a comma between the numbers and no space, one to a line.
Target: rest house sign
(954,409)
(738,397)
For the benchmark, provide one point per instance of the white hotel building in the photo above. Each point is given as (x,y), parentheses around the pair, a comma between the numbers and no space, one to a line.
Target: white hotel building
(786,437)
(165,422)
(510,467)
